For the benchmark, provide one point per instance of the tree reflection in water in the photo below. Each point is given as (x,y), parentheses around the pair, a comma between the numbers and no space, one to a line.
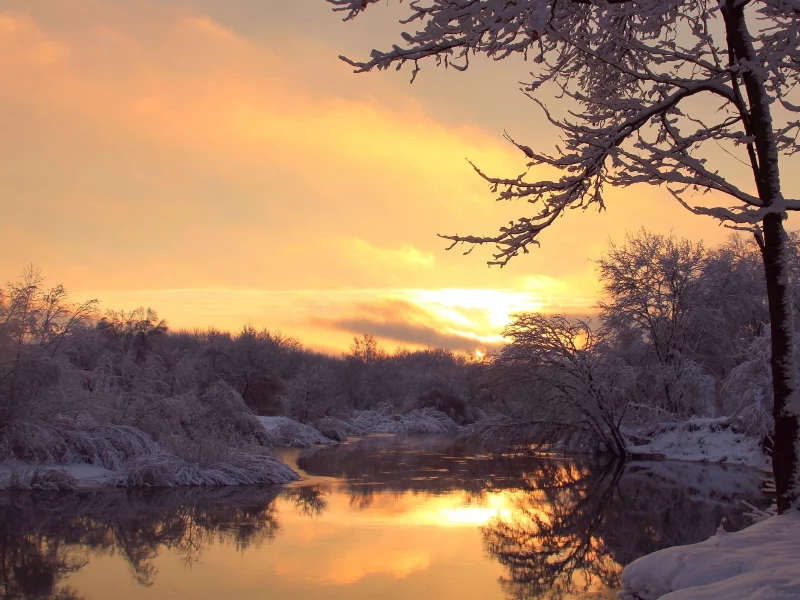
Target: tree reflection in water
(46,536)
(576,522)
(580,524)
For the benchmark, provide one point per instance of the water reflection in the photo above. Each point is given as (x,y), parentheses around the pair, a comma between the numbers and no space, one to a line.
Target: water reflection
(46,536)
(391,517)
(571,525)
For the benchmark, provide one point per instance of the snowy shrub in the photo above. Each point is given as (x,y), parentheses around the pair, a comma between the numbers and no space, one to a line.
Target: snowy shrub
(109,446)
(699,439)
(747,390)
(444,394)
(191,424)
(375,421)
(695,388)
(426,421)
(287,433)
(336,429)
(247,466)
(419,421)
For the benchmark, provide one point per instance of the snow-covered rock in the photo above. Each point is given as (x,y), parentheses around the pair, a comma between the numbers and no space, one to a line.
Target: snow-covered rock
(757,563)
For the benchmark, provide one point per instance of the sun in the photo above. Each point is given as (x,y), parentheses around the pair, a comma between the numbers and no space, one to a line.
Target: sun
(479,354)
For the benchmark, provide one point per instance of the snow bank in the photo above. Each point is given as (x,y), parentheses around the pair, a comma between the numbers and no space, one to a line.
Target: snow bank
(245,466)
(286,432)
(699,439)
(55,457)
(757,563)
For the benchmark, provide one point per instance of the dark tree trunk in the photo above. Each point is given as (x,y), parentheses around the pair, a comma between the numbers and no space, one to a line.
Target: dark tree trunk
(758,124)
(784,387)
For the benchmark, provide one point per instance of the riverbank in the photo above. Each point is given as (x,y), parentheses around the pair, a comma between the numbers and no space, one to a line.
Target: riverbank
(712,440)
(756,563)
(128,457)
(131,458)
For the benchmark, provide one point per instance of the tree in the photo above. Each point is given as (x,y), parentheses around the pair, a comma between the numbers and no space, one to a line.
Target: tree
(576,384)
(654,292)
(656,86)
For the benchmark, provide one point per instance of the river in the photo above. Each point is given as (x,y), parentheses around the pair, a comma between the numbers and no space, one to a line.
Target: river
(381,517)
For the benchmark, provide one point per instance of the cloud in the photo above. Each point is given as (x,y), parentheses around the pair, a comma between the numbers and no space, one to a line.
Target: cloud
(406,323)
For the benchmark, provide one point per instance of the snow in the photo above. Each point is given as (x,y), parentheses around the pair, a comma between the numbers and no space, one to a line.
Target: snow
(700,439)
(757,563)
(247,466)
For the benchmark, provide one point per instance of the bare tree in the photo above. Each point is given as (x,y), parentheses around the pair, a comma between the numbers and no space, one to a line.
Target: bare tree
(654,85)
(575,385)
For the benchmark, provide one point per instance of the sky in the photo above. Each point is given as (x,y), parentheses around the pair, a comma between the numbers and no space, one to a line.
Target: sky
(216,161)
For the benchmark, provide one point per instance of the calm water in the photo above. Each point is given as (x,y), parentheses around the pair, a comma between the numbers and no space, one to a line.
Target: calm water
(378,518)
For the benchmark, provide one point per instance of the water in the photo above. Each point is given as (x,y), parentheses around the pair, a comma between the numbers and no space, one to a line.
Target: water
(378,518)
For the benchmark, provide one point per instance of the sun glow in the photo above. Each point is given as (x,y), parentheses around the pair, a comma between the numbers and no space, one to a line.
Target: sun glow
(482,311)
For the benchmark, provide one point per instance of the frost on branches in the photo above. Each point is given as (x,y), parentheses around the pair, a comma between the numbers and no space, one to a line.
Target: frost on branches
(654,86)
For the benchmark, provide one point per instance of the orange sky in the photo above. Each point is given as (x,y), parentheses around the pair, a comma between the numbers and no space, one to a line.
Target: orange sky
(216,161)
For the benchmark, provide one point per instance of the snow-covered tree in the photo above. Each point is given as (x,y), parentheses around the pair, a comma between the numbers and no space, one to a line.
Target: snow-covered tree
(654,291)
(656,87)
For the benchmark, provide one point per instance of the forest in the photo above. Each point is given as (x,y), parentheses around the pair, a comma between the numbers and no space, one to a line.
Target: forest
(678,341)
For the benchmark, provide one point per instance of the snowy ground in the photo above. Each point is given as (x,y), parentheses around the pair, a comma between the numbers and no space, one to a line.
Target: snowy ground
(703,440)
(757,563)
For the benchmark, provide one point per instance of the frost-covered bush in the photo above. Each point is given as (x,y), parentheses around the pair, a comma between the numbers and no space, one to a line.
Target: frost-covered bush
(699,439)
(337,429)
(109,446)
(426,421)
(747,390)
(245,466)
(445,394)
(419,421)
(381,420)
(288,433)
(192,423)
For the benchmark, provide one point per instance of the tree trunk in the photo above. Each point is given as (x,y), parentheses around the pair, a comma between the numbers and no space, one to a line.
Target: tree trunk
(784,386)
(758,123)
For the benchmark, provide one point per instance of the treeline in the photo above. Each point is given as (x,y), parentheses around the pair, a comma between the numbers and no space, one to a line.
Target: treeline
(120,388)
(682,331)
